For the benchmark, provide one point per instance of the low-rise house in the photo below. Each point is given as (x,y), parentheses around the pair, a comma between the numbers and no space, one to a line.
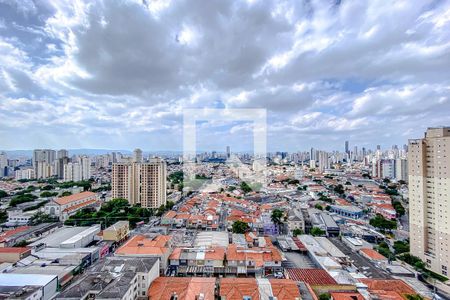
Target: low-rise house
(141,246)
(251,288)
(117,232)
(373,255)
(65,207)
(197,261)
(13,254)
(254,261)
(348,211)
(182,288)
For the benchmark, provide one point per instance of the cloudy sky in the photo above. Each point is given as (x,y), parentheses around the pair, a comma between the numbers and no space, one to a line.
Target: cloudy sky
(119,74)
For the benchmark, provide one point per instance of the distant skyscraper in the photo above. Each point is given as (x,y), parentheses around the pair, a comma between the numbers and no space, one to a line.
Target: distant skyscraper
(347,149)
(47,156)
(137,156)
(140,183)
(228,152)
(62,153)
(429,198)
(401,169)
(378,147)
(3,163)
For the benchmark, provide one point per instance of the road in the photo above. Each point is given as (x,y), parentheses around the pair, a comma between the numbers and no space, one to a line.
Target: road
(363,264)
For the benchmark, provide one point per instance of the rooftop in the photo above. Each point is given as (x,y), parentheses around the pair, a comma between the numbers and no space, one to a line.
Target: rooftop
(186,288)
(372,254)
(141,245)
(75,197)
(311,276)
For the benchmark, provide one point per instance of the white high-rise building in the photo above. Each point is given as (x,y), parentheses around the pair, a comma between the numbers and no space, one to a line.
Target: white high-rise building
(24,174)
(78,170)
(429,198)
(401,169)
(140,183)
(43,170)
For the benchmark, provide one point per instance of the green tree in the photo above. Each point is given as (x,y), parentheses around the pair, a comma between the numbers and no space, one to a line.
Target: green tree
(401,247)
(48,194)
(414,297)
(240,227)
(245,187)
(66,193)
(318,206)
(297,231)
(325,296)
(382,223)
(22,199)
(316,231)
(3,194)
(276,216)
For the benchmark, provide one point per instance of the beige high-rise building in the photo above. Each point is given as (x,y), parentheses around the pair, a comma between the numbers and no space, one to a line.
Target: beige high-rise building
(143,183)
(429,198)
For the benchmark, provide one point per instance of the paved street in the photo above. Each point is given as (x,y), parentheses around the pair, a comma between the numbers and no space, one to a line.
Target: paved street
(363,264)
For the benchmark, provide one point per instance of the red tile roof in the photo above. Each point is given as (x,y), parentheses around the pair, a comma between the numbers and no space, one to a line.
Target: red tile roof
(14,250)
(390,285)
(186,288)
(237,288)
(372,254)
(311,276)
(346,296)
(75,197)
(6,234)
(284,289)
(140,245)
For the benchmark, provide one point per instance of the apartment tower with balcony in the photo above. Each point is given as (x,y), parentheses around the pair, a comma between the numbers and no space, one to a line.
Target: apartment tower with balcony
(429,198)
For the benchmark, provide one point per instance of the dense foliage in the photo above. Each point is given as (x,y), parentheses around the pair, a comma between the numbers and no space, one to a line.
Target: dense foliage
(382,223)
(240,227)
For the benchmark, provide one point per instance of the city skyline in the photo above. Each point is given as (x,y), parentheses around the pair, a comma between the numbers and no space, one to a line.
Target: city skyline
(324,75)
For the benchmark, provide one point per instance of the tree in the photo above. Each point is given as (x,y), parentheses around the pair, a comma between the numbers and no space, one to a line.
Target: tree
(276,216)
(324,296)
(297,231)
(169,205)
(245,187)
(414,297)
(382,223)
(401,247)
(48,194)
(3,194)
(339,189)
(66,193)
(240,227)
(400,210)
(318,206)
(316,231)
(41,217)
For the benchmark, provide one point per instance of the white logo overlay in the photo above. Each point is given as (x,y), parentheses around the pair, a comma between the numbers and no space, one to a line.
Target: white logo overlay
(254,173)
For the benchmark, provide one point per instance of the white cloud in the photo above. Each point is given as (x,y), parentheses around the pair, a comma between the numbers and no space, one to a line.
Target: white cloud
(128,68)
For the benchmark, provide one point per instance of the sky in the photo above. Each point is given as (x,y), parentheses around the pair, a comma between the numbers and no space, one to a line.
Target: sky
(121,74)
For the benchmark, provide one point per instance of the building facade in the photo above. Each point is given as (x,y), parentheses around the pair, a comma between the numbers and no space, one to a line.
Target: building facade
(140,183)
(429,198)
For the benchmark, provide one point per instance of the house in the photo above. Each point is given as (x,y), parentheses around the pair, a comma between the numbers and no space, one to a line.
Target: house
(65,207)
(255,289)
(182,288)
(117,232)
(254,261)
(141,246)
(13,254)
(373,255)
(199,261)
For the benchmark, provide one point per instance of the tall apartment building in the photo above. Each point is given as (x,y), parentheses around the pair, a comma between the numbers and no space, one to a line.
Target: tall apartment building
(79,170)
(429,198)
(401,169)
(3,163)
(43,163)
(143,183)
